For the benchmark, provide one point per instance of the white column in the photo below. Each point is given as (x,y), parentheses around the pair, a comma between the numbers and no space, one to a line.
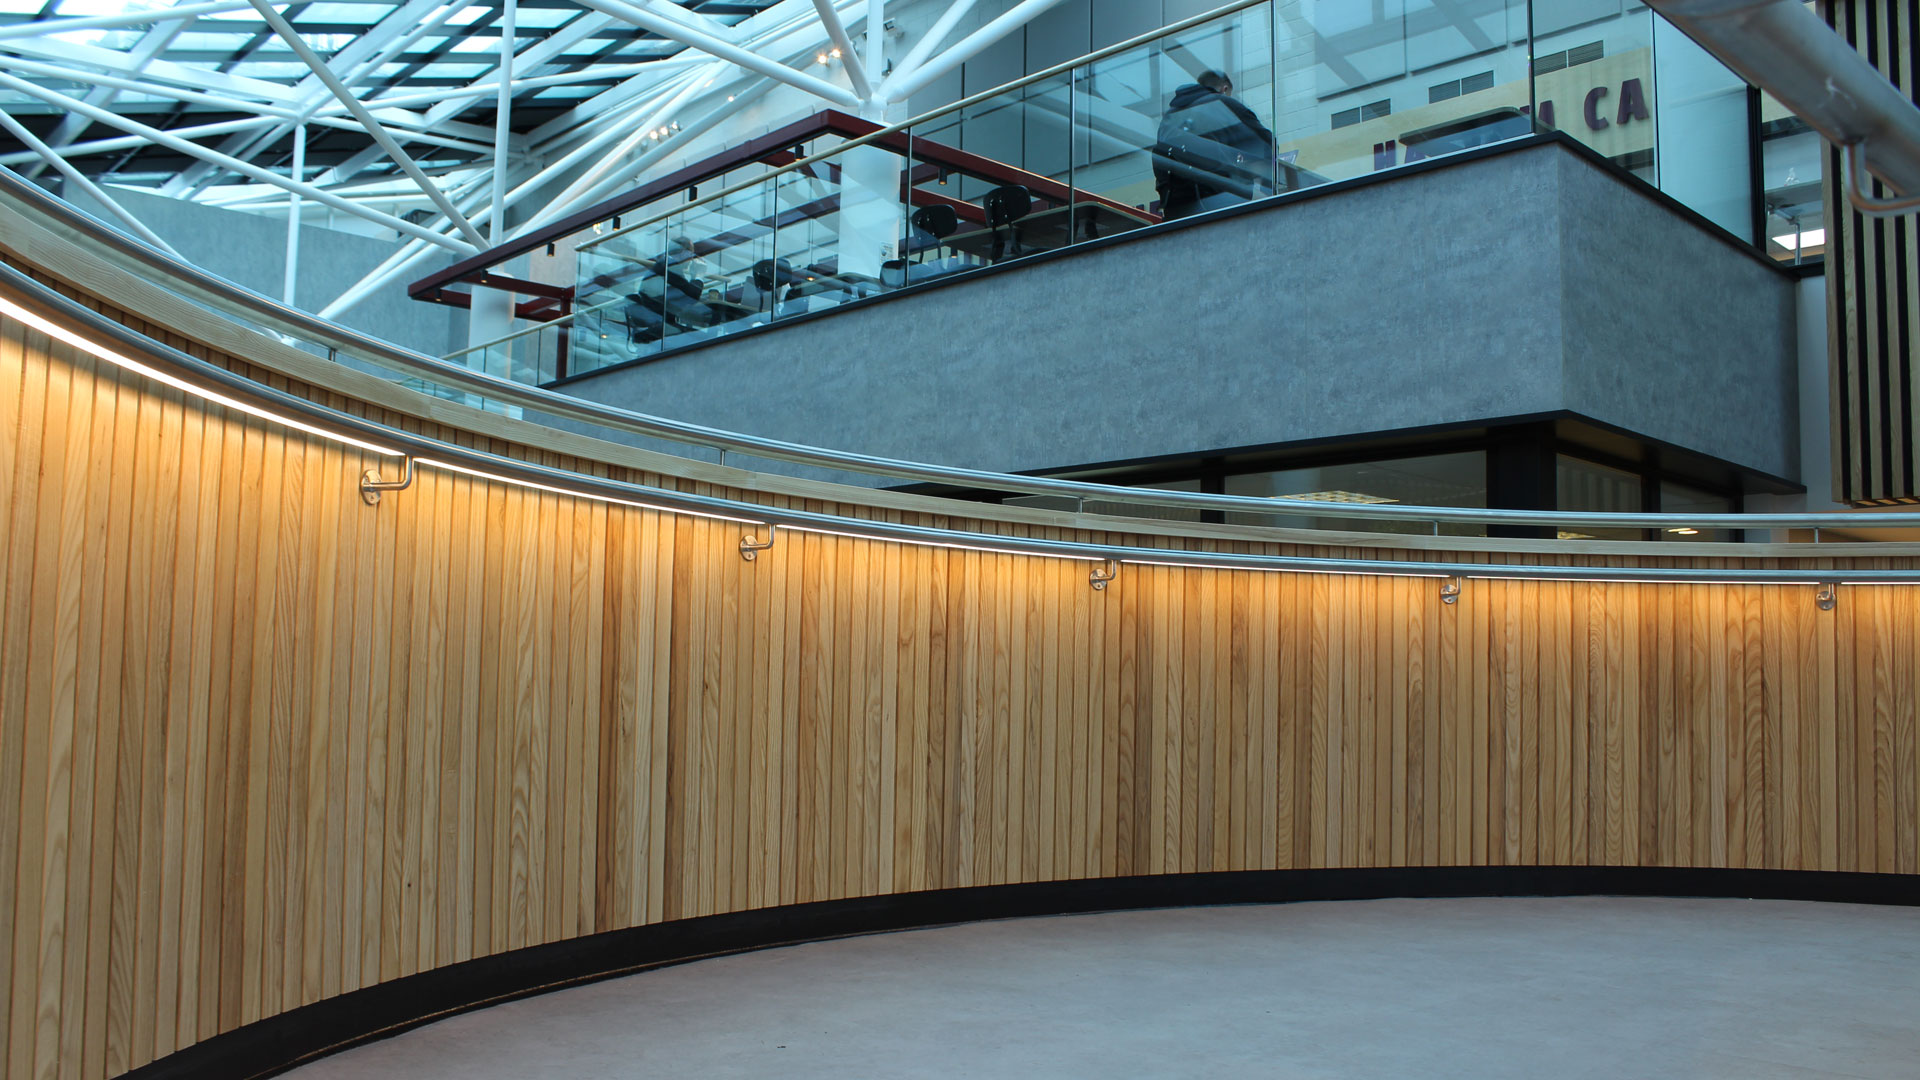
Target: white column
(870,210)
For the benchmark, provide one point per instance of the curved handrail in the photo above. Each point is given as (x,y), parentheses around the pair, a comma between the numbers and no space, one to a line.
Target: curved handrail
(209,380)
(236,300)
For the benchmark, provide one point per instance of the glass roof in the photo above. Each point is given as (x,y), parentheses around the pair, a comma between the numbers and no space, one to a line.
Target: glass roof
(400,54)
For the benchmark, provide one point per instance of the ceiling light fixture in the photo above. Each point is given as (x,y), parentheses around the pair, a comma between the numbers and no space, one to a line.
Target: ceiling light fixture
(1801,241)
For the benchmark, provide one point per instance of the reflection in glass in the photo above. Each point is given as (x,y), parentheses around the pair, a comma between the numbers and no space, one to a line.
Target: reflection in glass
(1589,487)
(1796,223)
(1458,479)
(1680,499)
(1398,82)
(1178,126)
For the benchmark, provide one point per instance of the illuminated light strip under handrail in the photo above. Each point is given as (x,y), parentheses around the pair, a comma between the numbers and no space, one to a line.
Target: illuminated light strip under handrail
(433,453)
(61,333)
(540,400)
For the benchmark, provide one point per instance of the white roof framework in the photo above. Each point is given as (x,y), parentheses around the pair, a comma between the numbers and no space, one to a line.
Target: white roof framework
(429,117)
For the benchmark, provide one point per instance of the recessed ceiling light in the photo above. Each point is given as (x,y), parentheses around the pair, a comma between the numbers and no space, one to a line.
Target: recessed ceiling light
(1812,238)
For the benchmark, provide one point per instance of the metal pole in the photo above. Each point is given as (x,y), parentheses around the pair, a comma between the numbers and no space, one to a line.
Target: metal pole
(968,46)
(373,127)
(837,30)
(173,142)
(502,124)
(78,179)
(923,48)
(293,215)
(752,61)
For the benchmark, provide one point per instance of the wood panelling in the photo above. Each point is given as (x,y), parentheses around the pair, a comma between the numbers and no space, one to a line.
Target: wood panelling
(1873,291)
(261,744)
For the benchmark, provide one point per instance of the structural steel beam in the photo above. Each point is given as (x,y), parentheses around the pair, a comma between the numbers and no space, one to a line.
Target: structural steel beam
(179,145)
(374,129)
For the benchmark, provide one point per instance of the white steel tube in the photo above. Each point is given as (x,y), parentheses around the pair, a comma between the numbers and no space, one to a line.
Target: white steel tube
(245,168)
(138,86)
(969,46)
(299,173)
(109,22)
(923,48)
(502,124)
(79,180)
(1785,49)
(849,56)
(133,142)
(400,157)
(752,61)
(612,160)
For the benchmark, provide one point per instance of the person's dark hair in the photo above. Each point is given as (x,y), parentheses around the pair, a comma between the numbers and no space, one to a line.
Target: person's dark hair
(1215,81)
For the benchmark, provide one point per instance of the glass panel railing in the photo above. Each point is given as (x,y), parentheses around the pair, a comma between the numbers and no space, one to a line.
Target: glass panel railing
(1795,227)
(717,254)
(627,295)
(1178,126)
(837,223)
(1366,88)
(1267,99)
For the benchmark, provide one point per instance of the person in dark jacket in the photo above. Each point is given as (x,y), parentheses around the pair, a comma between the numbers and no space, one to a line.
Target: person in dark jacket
(1212,151)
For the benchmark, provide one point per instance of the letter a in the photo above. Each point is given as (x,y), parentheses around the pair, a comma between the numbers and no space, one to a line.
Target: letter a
(1633,102)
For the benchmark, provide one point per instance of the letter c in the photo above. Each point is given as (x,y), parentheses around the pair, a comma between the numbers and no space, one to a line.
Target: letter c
(1595,121)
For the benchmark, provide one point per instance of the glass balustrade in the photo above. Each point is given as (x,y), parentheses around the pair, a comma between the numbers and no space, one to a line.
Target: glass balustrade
(1259,102)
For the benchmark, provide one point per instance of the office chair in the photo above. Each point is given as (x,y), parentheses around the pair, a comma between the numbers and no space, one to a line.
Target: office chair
(936,223)
(770,274)
(1005,206)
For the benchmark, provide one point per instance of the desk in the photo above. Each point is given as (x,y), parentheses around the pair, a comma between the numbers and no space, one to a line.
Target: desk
(1045,230)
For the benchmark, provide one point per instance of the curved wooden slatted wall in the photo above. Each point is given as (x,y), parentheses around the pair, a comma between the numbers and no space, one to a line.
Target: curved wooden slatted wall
(261,744)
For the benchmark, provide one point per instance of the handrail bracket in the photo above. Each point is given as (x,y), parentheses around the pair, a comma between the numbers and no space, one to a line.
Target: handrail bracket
(1102,574)
(751,548)
(371,485)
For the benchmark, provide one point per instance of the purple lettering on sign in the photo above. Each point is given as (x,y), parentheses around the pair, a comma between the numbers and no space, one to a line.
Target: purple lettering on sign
(1544,114)
(1595,121)
(1633,102)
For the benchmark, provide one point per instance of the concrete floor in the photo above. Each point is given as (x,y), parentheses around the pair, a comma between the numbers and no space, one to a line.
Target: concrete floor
(1557,988)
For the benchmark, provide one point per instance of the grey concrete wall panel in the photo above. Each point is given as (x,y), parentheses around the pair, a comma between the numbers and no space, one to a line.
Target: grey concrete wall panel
(996,65)
(944,90)
(1175,10)
(250,250)
(1471,292)
(1061,33)
(1118,20)
(1672,335)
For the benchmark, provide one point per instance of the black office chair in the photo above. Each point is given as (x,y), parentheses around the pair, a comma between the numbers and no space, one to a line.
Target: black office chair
(935,223)
(770,274)
(1005,206)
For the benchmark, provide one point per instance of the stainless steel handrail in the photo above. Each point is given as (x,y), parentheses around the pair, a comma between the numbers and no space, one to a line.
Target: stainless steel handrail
(1785,49)
(265,310)
(207,376)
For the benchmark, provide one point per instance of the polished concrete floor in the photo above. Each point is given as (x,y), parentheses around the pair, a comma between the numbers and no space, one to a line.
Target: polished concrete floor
(1552,988)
